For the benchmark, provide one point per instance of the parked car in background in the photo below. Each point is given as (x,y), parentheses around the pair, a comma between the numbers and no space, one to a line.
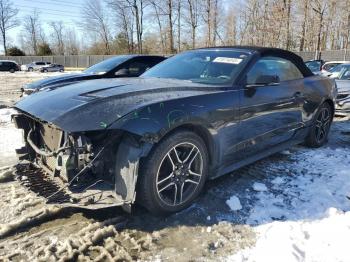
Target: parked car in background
(158,138)
(343,85)
(52,68)
(315,66)
(34,66)
(329,68)
(118,66)
(9,66)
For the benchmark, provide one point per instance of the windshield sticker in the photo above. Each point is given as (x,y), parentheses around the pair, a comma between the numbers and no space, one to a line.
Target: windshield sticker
(227,60)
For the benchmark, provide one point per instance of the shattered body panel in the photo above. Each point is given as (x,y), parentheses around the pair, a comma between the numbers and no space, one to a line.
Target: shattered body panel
(105,128)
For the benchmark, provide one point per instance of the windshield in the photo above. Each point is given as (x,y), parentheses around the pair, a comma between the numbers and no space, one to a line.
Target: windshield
(201,66)
(106,66)
(345,73)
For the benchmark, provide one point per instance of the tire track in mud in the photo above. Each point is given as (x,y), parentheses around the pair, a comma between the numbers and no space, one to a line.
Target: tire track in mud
(31,231)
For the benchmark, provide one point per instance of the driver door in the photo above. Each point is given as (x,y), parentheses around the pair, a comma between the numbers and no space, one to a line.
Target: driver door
(270,105)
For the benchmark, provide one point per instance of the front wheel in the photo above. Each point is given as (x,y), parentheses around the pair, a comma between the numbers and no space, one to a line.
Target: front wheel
(319,131)
(174,174)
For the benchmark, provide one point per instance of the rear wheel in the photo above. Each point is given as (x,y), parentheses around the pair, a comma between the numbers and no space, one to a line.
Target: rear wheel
(45,70)
(30,69)
(174,174)
(320,129)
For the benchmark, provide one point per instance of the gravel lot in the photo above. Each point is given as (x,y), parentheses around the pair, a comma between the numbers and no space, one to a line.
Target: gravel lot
(292,206)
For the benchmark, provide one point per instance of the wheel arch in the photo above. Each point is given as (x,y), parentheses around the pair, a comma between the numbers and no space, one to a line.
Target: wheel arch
(331,104)
(199,130)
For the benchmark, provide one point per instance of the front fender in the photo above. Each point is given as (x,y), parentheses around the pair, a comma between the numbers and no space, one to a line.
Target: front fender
(154,121)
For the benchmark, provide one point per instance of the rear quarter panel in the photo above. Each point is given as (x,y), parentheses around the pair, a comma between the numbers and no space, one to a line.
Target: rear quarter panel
(316,90)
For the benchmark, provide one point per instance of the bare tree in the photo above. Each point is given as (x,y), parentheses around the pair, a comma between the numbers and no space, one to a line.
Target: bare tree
(95,20)
(320,9)
(7,20)
(71,42)
(124,20)
(288,6)
(179,23)
(303,27)
(193,18)
(58,33)
(138,8)
(32,31)
(159,13)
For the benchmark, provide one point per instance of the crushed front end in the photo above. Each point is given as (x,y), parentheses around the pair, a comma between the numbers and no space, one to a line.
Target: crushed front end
(72,169)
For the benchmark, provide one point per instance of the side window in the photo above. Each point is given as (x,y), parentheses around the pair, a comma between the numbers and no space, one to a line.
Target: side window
(137,67)
(40,63)
(282,69)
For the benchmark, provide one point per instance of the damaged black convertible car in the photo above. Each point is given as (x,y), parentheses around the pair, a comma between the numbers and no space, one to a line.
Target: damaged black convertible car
(156,139)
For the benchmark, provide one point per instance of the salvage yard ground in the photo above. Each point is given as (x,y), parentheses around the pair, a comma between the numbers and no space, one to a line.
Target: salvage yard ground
(292,206)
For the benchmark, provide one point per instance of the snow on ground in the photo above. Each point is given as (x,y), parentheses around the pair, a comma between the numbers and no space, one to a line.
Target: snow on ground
(305,213)
(234,203)
(10,138)
(259,187)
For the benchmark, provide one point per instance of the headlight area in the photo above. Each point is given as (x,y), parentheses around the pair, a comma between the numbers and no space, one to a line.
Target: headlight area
(78,169)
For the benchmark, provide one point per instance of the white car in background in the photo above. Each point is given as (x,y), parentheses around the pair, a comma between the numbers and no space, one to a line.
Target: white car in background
(332,69)
(34,66)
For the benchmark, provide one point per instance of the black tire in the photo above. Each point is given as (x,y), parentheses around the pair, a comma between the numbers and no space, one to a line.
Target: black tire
(12,70)
(61,70)
(318,134)
(159,164)
(30,69)
(45,71)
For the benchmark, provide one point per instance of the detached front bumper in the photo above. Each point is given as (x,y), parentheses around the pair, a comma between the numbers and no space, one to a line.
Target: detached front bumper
(342,107)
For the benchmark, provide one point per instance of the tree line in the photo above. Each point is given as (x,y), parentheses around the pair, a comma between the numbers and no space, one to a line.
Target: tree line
(171,26)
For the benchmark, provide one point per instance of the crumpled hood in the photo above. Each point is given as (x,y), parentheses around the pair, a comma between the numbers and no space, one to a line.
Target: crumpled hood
(55,80)
(93,105)
(343,86)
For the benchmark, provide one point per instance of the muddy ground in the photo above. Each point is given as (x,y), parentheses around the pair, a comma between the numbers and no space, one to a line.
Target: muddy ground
(209,230)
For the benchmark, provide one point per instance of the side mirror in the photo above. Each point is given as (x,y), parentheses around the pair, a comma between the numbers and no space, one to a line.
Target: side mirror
(265,80)
(122,72)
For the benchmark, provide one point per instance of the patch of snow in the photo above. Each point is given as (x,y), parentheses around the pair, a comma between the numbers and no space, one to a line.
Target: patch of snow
(259,187)
(11,138)
(5,115)
(234,203)
(326,239)
(311,208)
(277,181)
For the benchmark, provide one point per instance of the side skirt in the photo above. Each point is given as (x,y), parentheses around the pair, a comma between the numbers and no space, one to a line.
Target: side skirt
(258,156)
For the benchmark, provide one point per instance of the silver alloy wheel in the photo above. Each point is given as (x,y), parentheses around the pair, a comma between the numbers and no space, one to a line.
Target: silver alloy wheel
(179,174)
(323,122)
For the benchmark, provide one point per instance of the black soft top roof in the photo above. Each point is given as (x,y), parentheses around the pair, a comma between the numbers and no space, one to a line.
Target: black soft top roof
(270,51)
